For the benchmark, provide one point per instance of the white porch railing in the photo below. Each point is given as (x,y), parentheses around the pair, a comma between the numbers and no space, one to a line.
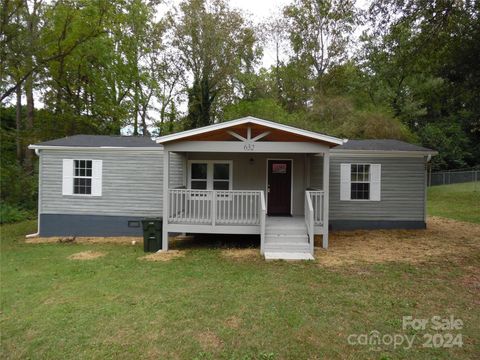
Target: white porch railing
(263,216)
(317,198)
(314,205)
(215,207)
(309,216)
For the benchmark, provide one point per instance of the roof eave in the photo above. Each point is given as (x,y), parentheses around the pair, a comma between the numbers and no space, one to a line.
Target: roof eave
(62,147)
(390,152)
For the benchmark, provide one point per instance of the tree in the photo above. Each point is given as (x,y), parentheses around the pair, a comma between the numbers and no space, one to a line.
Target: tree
(215,45)
(422,59)
(319,32)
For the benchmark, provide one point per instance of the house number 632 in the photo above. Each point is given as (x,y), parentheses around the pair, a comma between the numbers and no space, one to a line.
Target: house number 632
(249,147)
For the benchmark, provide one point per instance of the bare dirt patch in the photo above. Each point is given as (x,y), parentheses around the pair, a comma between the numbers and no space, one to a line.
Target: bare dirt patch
(124,240)
(443,237)
(209,340)
(233,322)
(163,255)
(87,255)
(241,254)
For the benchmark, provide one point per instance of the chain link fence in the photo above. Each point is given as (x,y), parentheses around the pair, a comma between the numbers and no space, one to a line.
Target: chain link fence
(455,177)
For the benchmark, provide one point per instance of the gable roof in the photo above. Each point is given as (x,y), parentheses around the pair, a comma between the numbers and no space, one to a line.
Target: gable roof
(99,141)
(381,145)
(253,121)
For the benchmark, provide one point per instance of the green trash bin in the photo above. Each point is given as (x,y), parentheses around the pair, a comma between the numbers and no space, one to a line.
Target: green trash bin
(152,234)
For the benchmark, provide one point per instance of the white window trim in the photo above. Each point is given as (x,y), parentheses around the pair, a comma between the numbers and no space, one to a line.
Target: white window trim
(370,182)
(82,177)
(96,179)
(210,179)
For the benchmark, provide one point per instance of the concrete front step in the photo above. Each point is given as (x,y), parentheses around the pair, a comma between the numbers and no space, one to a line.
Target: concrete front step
(286,249)
(278,255)
(286,238)
(286,231)
(287,245)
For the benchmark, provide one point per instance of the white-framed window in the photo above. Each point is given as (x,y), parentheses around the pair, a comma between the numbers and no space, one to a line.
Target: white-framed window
(82,177)
(210,174)
(360,181)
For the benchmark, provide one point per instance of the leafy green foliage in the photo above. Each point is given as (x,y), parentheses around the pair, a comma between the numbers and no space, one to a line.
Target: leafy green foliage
(266,108)
(450,141)
(217,46)
(11,214)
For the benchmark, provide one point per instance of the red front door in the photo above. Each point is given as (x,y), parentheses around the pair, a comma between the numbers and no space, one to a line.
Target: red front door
(279,187)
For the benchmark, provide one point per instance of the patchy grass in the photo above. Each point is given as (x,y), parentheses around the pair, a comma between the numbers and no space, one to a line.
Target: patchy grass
(457,201)
(209,305)
(442,238)
(123,240)
(87,255)
(163,255)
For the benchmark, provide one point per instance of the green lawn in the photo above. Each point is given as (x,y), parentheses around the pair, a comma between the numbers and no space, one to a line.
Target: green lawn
(206,306)
(458,201)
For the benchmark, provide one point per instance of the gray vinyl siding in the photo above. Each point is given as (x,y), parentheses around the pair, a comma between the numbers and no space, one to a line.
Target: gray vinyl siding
(253,176)
(316,172)
(132,183)
(402,190)
(177,168)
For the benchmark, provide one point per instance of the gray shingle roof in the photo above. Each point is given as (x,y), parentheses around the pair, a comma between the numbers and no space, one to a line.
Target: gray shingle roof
(102,141)
(381,145)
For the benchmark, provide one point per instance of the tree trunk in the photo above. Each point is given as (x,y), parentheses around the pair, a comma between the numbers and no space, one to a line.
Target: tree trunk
(277,72)
(135,115)
(18,125)
(28,163)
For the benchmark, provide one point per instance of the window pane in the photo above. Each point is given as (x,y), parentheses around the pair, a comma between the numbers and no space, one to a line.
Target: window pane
(221,171)
(353,172)
(199,171)
(82,186)
(360,191)
(89,164)
(220,185)
(199,185)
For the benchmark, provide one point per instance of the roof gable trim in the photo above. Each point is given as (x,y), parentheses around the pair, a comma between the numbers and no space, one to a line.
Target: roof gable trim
(246,120)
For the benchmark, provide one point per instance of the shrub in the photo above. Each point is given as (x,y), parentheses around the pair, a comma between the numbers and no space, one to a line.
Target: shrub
(10,214)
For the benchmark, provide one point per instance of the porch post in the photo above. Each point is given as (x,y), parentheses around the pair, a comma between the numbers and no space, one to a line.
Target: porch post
(166,170)
(326,181)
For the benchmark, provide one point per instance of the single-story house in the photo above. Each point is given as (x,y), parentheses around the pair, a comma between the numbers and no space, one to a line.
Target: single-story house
(245,176)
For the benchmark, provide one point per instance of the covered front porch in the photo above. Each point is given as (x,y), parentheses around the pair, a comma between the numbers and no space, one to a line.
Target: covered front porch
(247,185)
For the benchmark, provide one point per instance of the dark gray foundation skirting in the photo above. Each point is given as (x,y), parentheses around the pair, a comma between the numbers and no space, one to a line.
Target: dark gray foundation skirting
(376,224)
(89,225)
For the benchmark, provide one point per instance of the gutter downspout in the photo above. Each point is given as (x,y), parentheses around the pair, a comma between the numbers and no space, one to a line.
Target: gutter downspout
(28,236)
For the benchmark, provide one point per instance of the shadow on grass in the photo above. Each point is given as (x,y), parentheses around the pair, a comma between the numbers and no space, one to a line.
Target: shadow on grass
(220,241)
